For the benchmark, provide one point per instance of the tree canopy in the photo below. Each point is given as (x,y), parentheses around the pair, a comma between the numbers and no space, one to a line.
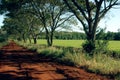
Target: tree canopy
(89,13)
(32,16)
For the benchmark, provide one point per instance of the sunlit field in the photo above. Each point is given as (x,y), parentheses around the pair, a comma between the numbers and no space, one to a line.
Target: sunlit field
(65,43)
(113,45)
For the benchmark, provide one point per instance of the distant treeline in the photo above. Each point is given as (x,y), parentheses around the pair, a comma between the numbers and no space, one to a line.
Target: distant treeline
(65,35)
(79,35)
(109,36)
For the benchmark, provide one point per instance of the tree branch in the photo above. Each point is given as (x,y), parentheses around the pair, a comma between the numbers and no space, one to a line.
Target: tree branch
(80,9)
(74,12)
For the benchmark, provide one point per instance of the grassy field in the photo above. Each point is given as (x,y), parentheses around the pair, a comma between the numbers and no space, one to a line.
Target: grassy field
(65,43)
(3,43)
(113,45)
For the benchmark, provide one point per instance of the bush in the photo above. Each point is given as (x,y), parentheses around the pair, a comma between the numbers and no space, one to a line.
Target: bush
(2,39)
(88,46)
(51,52)
(101,46)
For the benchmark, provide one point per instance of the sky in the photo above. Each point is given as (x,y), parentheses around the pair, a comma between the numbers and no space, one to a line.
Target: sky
(1,20)
(111,21)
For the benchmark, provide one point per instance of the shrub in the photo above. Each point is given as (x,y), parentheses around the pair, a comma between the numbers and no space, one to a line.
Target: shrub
(99,63)
(2,39)
(101,46)
(88,46)
(51,52)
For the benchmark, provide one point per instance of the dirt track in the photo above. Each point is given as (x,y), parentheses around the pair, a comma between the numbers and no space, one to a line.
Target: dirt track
(17,63)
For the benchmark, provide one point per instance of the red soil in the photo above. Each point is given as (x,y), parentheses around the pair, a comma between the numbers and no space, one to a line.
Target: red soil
(18,63)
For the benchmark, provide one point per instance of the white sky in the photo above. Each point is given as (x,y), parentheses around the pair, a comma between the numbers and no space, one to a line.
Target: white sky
(1,19)
(111,21)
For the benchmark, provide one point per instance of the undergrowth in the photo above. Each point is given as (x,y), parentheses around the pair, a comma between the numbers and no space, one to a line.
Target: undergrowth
(3,44)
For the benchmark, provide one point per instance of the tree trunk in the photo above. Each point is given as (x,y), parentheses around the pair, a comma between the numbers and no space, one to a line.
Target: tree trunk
(90,46)
(23,36)
(30,40)
(49,37)
(35,40)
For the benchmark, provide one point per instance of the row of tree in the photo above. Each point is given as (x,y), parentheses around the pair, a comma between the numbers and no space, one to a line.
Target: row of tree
(26,19)
(81,36)
(65,35)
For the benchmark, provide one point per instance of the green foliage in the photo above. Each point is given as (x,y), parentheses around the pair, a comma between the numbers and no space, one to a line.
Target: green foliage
(51,52)
(89,47)
(2,39)
(109,36)
(66,35)
(99,63)
(3,35)
(101,35)
(101,46)
(89,13)
(3,43)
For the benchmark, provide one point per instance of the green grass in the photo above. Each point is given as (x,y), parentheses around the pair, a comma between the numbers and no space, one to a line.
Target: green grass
(113,45)
(3,44)
(99,63)
(65,43)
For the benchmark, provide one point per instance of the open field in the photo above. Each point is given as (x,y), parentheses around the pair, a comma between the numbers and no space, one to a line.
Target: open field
(65,43)
(113,45)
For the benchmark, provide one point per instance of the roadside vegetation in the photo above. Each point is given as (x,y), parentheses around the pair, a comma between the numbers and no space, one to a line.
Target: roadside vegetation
(100,63)
(3,41)
(3,44)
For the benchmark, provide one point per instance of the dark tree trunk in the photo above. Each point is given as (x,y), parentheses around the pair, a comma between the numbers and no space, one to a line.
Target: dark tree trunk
(49,37)
(35,40)
(30,40)
(90,45)
(23,36)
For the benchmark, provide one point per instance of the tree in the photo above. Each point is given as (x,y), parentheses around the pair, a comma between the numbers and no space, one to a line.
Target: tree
(117,35)
(3,35)
(89,13)
(11,28)
(51,14)
(26,23)
(109,35)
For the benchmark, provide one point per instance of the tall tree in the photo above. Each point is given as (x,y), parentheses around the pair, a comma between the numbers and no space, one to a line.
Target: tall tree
(89,13)
(51,14)
(27,22)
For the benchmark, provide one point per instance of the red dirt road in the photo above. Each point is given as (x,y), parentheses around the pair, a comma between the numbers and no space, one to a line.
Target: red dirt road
(18,63)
